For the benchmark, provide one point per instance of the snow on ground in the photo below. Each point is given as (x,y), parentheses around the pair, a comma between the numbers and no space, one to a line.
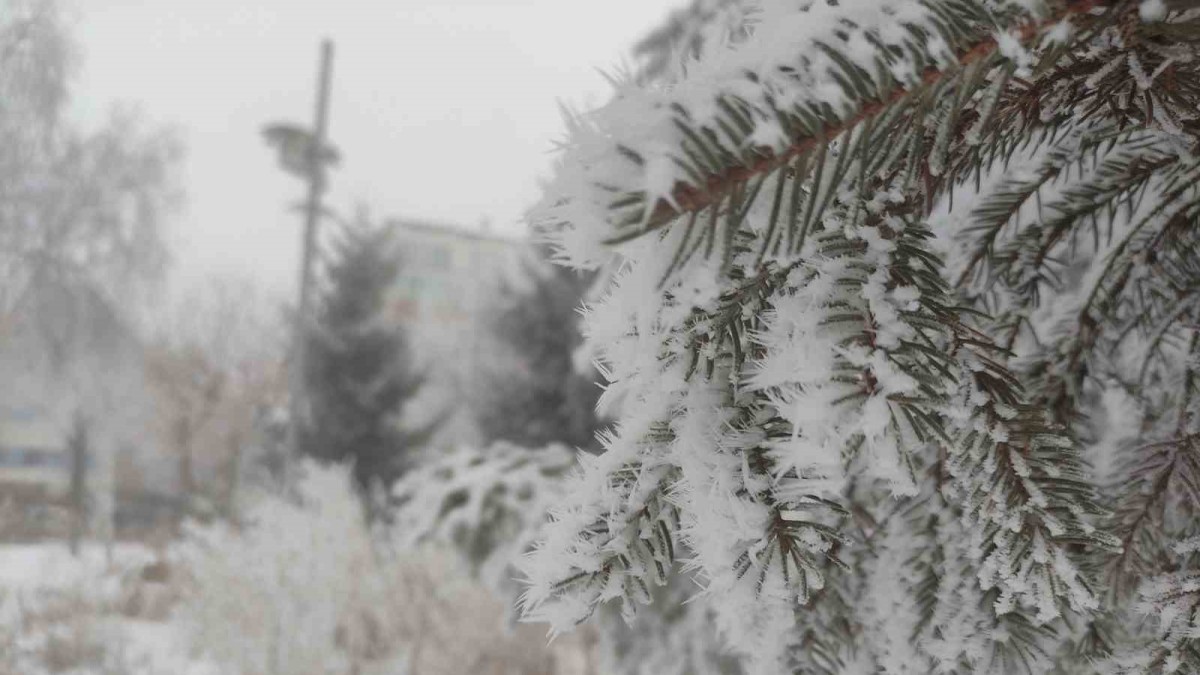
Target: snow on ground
(51,565)
(155,647)
(303,586)
(65,614)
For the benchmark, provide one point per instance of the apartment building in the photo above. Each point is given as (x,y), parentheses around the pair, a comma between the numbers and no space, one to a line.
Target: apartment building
(449,279)
(34,464)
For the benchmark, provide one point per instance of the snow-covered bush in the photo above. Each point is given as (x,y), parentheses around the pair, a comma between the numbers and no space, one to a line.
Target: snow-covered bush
(304,586)
(62,614)
(490,506)
(273,596)
(58,631)
(883,264)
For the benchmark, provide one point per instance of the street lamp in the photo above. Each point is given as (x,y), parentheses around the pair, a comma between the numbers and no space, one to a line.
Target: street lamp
(306,154)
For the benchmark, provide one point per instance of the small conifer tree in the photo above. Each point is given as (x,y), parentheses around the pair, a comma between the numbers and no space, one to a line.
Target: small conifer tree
(359,373)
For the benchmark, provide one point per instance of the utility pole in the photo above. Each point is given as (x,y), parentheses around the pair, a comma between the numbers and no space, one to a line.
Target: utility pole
(316,181)
(312,218)
(306,153)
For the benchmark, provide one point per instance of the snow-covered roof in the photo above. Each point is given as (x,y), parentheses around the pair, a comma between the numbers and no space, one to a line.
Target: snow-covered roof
(455,231)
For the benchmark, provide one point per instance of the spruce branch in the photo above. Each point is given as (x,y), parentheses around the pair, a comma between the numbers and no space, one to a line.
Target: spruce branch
(813,357)
(724,179)
(1160,474)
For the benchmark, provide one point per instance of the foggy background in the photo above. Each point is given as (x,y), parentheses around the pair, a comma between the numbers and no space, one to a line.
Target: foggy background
(199,472)
(443,110)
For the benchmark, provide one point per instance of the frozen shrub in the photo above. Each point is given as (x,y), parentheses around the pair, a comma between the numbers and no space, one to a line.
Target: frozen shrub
(269,598)
(63,619)
(486,504)
(303,588)
(489,505)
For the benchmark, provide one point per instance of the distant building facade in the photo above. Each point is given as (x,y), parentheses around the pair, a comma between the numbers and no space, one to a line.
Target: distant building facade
(449,279)
(34,463)
(72,356)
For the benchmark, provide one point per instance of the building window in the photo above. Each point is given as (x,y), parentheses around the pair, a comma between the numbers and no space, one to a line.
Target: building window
(440,258)
(34,458)
(20,414)
(10,457)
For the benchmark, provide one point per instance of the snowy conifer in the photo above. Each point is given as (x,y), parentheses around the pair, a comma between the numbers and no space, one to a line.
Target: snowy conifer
(903,338)
(359,371)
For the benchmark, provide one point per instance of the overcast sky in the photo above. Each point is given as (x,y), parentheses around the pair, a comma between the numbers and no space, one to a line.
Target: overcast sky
(443,109)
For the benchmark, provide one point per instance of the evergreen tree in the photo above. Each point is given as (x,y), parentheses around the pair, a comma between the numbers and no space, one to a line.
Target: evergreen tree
(539,394)
(904,339)
(359,373)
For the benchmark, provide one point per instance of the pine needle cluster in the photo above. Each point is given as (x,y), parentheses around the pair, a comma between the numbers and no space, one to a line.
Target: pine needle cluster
(904,335)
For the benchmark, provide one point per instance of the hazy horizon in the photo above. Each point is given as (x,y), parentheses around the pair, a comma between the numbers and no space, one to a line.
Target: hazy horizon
(443,111)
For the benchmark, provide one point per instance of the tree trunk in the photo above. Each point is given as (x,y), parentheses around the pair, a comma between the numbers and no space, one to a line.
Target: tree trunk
(183,445)
(77,496)
(233,475)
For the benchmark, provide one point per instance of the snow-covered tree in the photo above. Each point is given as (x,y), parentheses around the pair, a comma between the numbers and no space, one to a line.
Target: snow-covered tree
(359,372)
(81,213)
(214,366)
(903,338)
